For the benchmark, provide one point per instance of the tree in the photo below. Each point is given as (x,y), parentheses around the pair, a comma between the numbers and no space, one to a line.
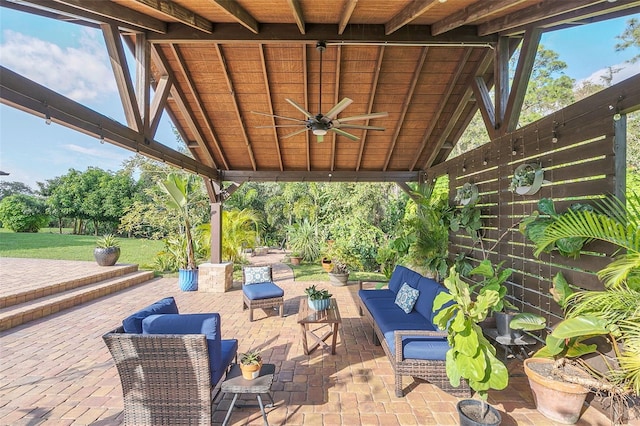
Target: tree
(630,38)
(11,188)
(23,213)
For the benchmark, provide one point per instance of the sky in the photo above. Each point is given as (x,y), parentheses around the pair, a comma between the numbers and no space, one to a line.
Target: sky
(72,60)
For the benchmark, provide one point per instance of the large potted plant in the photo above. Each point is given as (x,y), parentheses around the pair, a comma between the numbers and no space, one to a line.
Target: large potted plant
(304,241)
(107,250)
(612,313)
(179,190)
(471,357)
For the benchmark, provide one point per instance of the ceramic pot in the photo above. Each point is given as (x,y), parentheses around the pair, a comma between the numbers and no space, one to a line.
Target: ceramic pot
(251,371)
(559,401)
(319,304)
(338,280)
(107,256)
(188,279)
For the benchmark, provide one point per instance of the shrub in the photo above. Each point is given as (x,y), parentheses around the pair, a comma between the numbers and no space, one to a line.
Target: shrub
(23,213)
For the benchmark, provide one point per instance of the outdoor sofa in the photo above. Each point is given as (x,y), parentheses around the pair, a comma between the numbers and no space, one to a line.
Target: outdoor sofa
(169,364)
(402,321)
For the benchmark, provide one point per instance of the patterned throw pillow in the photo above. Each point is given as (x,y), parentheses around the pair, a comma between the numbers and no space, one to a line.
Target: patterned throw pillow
(257,274)
(407,297)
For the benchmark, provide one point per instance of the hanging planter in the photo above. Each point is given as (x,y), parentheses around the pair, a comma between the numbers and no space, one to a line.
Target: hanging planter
(467,194)
(527,179)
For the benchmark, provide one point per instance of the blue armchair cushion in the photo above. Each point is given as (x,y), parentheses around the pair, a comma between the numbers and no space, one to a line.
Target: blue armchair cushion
(266,290)
(406,297)
(133,323)
(221,352)
(257,274)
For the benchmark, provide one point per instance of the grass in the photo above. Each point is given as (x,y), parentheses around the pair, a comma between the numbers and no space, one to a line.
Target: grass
(314,272)
(49,244)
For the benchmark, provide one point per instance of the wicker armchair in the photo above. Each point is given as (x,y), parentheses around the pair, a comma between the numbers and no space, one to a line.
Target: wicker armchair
(169,379)
(259,291)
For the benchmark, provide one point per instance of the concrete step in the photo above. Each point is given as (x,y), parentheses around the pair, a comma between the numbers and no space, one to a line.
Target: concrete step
(36,308)
(32,291)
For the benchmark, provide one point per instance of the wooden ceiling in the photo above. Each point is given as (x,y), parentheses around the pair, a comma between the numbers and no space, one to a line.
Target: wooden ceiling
(212,64)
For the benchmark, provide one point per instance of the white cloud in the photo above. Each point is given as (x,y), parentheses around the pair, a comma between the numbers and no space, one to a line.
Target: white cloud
(623,71)
(106,154)
(80,73)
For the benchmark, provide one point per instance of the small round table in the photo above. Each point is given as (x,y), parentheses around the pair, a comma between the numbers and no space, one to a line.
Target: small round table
(236,384)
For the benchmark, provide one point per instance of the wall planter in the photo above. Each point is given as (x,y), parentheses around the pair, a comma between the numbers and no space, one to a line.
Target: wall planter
(527,179)
(188,279)
(467,194)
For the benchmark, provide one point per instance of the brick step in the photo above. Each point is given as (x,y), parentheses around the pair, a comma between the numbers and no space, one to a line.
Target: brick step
(28,294)
(18,314)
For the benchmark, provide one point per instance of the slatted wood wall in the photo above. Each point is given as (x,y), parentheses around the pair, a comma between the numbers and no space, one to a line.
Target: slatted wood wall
(579,166)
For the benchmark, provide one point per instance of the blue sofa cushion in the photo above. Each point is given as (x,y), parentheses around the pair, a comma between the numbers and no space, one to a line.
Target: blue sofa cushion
(133,323)
(428,290)
(406,297)
(220,355)
(257,274)
(382,293)
(403,275)
(262,291)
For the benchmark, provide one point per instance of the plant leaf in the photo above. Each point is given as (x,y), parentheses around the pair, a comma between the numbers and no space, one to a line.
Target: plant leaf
(528,322)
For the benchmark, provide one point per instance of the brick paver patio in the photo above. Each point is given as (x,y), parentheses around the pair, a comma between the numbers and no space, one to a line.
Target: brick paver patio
(58,371)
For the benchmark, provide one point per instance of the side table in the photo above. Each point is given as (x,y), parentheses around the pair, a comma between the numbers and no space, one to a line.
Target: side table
(508,343)
(236,384)
(329,317)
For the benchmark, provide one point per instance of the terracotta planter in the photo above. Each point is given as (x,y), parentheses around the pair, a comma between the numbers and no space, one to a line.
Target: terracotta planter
(559,401)
(251,371)
(295,260)
(327,265)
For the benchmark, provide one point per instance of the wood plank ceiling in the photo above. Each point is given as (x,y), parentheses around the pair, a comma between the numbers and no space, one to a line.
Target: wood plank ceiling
(212,64)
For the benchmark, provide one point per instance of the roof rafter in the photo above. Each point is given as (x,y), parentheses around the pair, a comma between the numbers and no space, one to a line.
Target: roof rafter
(270,102)
(125,16)
(408,14)
(181,14)
(405,104)
(239,14)
(297,14)
(336,99)
(472,13)
(374,87)
(345,15)
(319,176)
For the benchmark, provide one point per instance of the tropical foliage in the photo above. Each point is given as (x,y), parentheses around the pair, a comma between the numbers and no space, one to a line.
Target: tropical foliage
(304,240)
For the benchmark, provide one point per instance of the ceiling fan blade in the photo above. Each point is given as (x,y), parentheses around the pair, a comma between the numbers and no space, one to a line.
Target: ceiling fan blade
(345,134)
(278,116)
(357,126)
(337,109)
(364,116)
(280,125)
(294,133)
(299,108)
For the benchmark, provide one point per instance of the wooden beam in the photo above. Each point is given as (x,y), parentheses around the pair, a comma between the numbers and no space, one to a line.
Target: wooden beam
(175,11)
(159,102)
(142,57)
(620,150)
(288,33)
(336,99)
(345,15)
(239,14)
(123,78)
(436,117)
(501,82)
(473,13)
(267,91)
(405,105)
(319,176)
(483,99)
(373,91)
(521,78)
(408,14)
(297,14)
(107,9)
(21,93)
(234,98)
(543,10)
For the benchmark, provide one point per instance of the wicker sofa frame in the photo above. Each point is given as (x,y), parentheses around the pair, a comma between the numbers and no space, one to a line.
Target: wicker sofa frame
(165,377)
(274,302)
(433,371)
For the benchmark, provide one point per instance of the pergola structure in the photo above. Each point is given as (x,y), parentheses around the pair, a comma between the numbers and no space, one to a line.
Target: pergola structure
(212,65)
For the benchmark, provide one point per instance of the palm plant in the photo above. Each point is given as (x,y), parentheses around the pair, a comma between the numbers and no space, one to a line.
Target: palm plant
(239,230)
(304,240)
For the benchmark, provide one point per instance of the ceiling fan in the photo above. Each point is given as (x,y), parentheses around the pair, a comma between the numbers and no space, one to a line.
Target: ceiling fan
(320,124)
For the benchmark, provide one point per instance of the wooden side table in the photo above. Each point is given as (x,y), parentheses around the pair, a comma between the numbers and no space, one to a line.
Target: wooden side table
(329,317)
(236,384)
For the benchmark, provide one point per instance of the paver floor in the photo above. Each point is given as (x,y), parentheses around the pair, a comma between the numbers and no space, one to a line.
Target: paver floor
(58,371)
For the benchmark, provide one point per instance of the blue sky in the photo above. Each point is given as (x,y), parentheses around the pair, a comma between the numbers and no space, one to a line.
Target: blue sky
(72,60)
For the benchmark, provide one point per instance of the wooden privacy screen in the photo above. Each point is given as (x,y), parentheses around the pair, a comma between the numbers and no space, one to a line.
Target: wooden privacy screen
(577,149)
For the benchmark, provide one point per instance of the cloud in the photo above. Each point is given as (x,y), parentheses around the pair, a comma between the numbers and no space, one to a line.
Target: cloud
(80,73)
(106,154)
(623,71)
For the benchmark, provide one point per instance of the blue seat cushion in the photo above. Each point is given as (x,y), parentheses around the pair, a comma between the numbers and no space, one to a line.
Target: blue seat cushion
(262,291)
(382,293)
(133,323)
(403,275)
(220,355)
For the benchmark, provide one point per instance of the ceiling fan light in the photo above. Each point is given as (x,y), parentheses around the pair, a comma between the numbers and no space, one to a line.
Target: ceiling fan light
(319,132)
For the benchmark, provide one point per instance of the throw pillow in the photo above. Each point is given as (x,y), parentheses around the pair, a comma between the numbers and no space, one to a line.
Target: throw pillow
(257,274)
(407,297)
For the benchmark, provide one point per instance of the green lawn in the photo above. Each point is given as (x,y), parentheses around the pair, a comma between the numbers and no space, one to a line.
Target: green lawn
(49,244)
(314,272)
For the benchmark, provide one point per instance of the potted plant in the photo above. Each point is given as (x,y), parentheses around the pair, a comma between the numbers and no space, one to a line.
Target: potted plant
(327,264)
(339,274)
(471,357)
(250,364)
(179,190)
(107,250)
(467,194)
(295,258)
(318,299)
(527,179)
(303,240)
